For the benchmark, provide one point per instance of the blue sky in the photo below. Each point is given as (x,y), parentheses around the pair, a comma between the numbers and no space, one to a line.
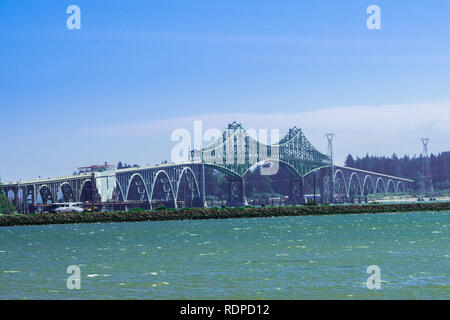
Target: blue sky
(148,67)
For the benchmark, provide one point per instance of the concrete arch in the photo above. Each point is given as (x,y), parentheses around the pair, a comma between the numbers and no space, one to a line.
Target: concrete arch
(119,187)
(390,183)
(185,169)
(82,188)
(400,183)
(339,171)
(368,177)
(350,183)
(138,175)
(382,183)
(154,183)
(44,186)
(60,189)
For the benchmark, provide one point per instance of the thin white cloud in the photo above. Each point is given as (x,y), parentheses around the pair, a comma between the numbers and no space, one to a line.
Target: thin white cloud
(380,130)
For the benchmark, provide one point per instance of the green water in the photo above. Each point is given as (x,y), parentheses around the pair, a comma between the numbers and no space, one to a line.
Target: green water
(323,257)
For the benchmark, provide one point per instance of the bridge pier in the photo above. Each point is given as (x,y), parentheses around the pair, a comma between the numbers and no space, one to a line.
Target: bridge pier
(28,192)
(351,198)
(236,193)
(16,199)
(325,186)
(297,191)
(201,203)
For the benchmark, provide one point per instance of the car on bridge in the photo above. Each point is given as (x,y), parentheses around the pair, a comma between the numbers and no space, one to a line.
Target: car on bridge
(71,207)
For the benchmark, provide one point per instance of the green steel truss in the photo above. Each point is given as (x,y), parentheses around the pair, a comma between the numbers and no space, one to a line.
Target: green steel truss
(238,151)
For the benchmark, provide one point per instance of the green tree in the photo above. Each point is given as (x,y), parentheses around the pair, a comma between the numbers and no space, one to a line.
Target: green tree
(350,161)
(6,206)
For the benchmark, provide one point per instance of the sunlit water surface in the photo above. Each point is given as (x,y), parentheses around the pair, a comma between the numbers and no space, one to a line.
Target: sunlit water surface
(311,257)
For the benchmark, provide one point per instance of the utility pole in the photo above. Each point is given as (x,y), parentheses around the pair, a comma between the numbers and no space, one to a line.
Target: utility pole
(330,137)
(426,182)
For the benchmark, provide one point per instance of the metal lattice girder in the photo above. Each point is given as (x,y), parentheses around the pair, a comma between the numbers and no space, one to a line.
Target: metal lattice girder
(237,151)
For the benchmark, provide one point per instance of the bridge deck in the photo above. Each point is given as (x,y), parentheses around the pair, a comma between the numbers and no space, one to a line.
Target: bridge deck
(49,180)
(162,166)
(375,173)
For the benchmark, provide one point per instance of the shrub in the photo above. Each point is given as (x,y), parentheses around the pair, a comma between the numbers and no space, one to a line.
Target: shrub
(6,207)
(311,203)
(161,208)
(137,210)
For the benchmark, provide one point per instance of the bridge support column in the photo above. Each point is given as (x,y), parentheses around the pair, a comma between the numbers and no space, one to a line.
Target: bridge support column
(351,198)
(16,199)
(236,193)
(297,191)
(27,205)
(35,197)
(24,200)
(325,186)
(202,188)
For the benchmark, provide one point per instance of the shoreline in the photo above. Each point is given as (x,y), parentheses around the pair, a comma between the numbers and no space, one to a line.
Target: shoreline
(215,213)
(403,199)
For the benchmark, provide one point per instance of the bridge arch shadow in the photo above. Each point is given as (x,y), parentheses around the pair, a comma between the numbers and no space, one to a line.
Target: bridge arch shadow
(187,189)
(162,191)
(340,186)
(118,195)
(44,195)
(400,187)
(355,188)
(390,187)
(65,193)
(368,185)
(137,191)
(380,186)
(88,192)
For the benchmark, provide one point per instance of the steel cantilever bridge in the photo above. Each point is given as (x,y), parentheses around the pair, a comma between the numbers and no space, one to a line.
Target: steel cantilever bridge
(235,155)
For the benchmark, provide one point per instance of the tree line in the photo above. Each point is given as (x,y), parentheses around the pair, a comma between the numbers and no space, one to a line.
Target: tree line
(121,165)
(406,167)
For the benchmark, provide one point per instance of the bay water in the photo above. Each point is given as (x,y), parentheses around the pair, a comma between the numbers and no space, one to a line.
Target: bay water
(309,257)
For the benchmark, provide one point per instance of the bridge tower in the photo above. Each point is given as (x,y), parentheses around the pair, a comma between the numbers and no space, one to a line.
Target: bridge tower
(426,183)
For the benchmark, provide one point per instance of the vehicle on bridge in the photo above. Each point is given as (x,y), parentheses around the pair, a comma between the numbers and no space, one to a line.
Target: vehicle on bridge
(68,207)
